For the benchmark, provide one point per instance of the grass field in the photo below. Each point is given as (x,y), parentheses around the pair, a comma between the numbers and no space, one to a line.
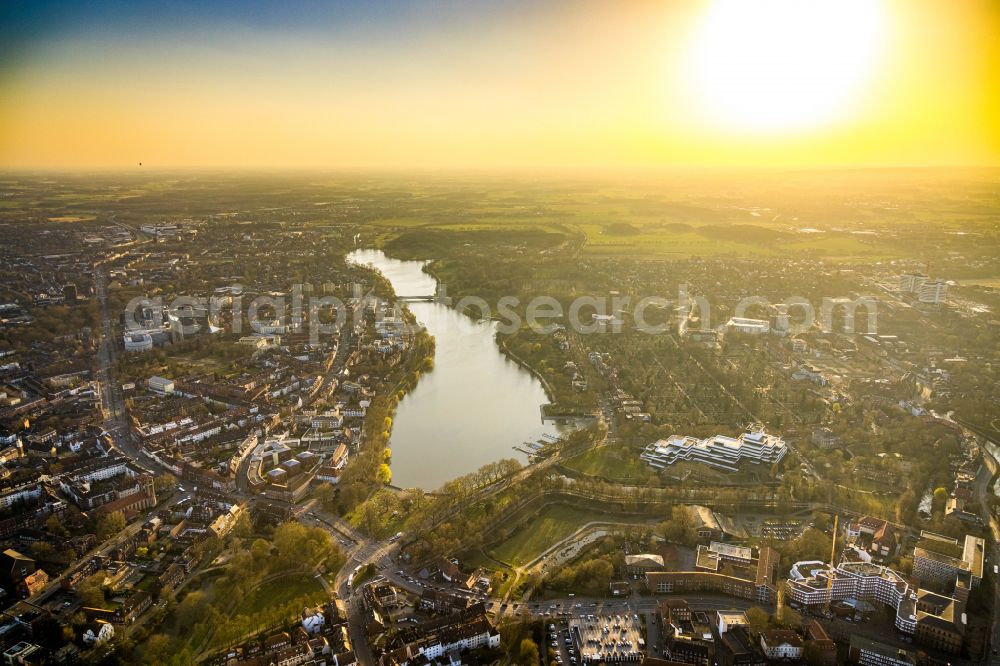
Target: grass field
(552,524)
(280,591)
(610,462)
(475,559)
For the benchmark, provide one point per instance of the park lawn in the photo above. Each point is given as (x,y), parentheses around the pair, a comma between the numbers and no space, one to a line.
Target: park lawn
(388,524)
(610,462)
(273,601)
(553,524)
(477,559)
(280,591)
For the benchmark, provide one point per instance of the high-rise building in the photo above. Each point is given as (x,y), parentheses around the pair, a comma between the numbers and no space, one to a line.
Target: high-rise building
(932,291)
(910,282)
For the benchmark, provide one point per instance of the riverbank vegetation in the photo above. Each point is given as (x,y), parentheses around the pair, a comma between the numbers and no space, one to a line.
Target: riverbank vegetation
(370,468)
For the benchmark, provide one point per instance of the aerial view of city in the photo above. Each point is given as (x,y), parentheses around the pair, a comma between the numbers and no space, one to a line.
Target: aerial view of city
(500,332)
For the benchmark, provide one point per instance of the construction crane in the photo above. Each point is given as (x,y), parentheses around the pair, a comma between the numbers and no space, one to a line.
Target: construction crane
(833,564)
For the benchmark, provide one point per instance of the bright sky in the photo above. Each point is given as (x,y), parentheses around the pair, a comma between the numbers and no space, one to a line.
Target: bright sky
(519,83)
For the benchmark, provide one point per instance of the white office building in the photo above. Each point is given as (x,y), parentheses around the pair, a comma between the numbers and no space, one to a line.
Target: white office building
(160,385)
(911,282)
(718,451)
(933,291)
(813,583)
(138,342)
(749,326)
(923,288)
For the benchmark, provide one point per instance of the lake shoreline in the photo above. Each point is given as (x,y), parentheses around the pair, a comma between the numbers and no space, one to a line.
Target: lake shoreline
(478,404)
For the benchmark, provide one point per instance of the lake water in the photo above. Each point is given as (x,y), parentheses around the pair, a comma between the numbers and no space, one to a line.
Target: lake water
(473,407)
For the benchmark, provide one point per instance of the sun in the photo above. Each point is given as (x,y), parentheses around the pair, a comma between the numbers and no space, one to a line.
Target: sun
(778,66)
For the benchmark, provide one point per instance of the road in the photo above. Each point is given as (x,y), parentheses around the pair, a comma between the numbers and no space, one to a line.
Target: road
(360,550)
(982,486)
(345,344)
(101,549)
(344,347)
(116,423)
(596,606)
(243,470)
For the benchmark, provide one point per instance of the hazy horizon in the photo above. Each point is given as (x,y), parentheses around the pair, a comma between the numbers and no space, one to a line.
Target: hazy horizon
(500,86)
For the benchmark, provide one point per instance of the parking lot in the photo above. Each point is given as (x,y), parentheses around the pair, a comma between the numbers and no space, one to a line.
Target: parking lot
(557,635)
(604,638)
(784,529)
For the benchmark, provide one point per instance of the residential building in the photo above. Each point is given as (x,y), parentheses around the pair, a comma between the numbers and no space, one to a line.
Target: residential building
(675,610)
(34,583)
(171,578)
(781,644)
(133,607)
(822,648)
(468,630)
(334,467)
(866,652)
(29,490)
(449,570)
(441,602)
(111,480)
(687,637)
(98,633)
(940,624)
(638,565)
(825,439)
(737,648)
(873,535)
(14,568)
